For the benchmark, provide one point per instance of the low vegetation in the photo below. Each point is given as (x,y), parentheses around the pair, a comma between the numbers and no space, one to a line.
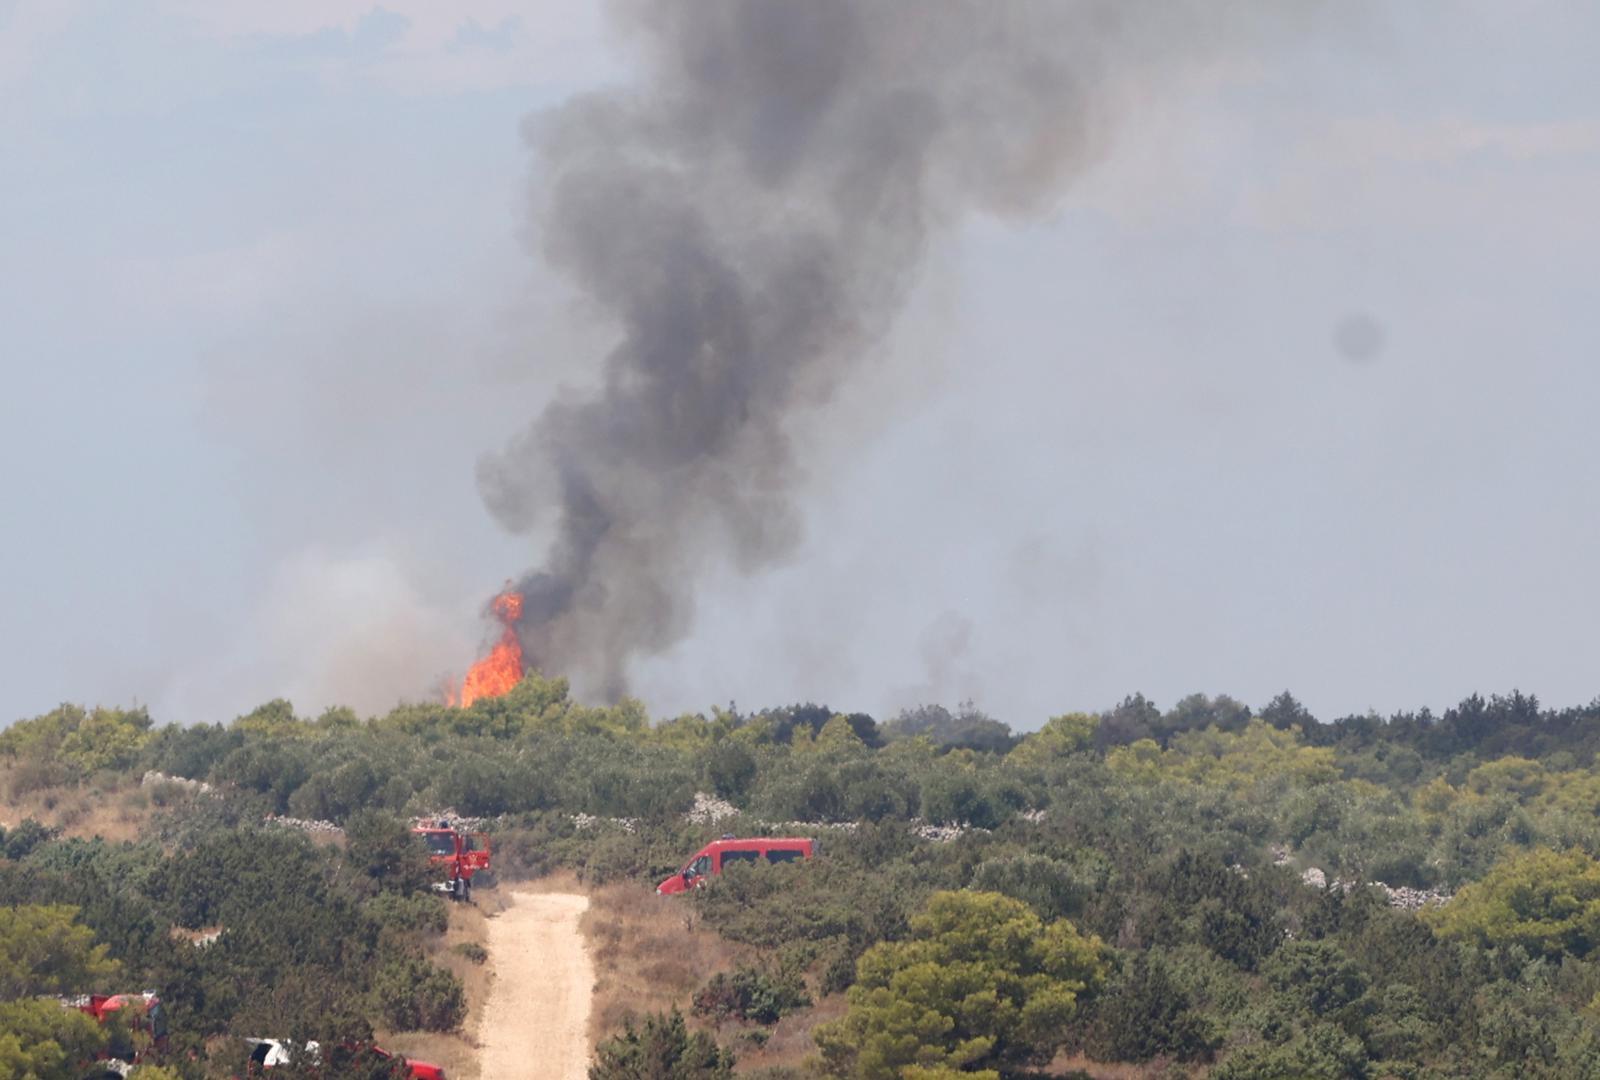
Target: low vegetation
(1140,891)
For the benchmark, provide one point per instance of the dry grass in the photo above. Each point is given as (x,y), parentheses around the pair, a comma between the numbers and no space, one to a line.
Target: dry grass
(114,811)
(650,954)
(790,1045)
(1072,1064)
(453,1053)
(456,1052)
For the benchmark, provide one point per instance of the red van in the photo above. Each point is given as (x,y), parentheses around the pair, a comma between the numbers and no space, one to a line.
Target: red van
(728,851)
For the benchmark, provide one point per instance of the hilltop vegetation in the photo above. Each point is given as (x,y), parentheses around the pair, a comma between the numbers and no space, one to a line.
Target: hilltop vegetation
(1135,886)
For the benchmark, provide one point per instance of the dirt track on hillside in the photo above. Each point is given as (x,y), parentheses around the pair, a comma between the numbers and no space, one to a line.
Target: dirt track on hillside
(535,1026)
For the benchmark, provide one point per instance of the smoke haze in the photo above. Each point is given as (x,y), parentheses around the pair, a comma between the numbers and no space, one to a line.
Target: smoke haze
(1266,363)
(750,217)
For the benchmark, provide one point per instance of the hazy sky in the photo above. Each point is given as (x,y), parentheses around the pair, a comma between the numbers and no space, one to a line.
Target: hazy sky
(1297,387)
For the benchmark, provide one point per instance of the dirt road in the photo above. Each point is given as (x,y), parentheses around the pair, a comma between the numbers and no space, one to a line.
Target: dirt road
(535,1026)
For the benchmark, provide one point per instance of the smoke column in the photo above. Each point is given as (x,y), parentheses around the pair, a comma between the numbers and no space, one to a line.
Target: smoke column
(751,216)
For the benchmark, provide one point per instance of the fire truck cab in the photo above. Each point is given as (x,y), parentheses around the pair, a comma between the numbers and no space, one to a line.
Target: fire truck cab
(145,1015)
(462,855)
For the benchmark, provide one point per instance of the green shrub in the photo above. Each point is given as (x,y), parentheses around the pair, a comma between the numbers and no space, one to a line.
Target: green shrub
(1317,974)
(731,769)
(415,913)
(1143,1014)
(38,1038)
(1053,888)
(471,951)
(614,855)
(662,1048)
(190,752)
(19,842)
(962,798)
(749,993)
(982,982)
(531,851)
(386,852)
(410,994)
(1544,901)
(646,855)
(164,793)
(1322,1050)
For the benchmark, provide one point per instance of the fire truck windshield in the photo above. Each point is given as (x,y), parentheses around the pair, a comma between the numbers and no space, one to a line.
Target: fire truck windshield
(441,843)
(157,1017)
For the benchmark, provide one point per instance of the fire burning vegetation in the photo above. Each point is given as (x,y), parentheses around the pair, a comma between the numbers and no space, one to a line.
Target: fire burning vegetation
(502,669)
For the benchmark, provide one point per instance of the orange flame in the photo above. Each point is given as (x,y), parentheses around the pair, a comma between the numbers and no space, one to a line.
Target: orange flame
(502,668)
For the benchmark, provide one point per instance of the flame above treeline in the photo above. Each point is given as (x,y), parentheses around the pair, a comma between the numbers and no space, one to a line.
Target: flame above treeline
(502,669)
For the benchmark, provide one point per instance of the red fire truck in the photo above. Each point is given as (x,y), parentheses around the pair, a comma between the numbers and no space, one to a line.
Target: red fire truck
(461,854)
(146,1021)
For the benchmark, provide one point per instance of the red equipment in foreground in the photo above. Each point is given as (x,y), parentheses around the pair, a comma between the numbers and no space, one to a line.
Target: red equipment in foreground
(461,854)
(267,1053)
(145,1015)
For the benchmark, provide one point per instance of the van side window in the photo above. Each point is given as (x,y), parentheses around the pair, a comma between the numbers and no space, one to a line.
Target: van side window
(784,854)
(731,857)
(700,867)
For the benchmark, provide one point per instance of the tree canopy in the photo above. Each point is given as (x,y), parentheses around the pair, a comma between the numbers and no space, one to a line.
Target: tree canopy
(981,982)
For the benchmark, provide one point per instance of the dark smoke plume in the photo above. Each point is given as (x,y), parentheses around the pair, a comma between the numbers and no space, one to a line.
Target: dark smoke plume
(752,215)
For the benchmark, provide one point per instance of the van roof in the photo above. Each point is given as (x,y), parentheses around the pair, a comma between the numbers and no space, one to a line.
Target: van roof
(768,841)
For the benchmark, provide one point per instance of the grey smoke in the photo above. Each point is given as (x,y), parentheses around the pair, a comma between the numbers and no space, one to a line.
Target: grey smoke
(751,216)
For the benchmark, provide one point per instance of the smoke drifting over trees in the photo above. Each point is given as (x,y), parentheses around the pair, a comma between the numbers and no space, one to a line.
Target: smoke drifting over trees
(751,216)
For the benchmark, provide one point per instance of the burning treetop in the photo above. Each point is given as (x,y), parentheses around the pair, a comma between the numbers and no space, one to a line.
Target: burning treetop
(502,669)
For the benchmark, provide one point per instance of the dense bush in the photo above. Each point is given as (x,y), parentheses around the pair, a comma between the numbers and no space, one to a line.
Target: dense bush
(661,1048)
(760,995)
(39,1040)
(1160,830)
(1052,887)
(410,994)
(982,982)
(1541,901)
(383,849)
(1143,1013)
(413,913)
(19,841)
